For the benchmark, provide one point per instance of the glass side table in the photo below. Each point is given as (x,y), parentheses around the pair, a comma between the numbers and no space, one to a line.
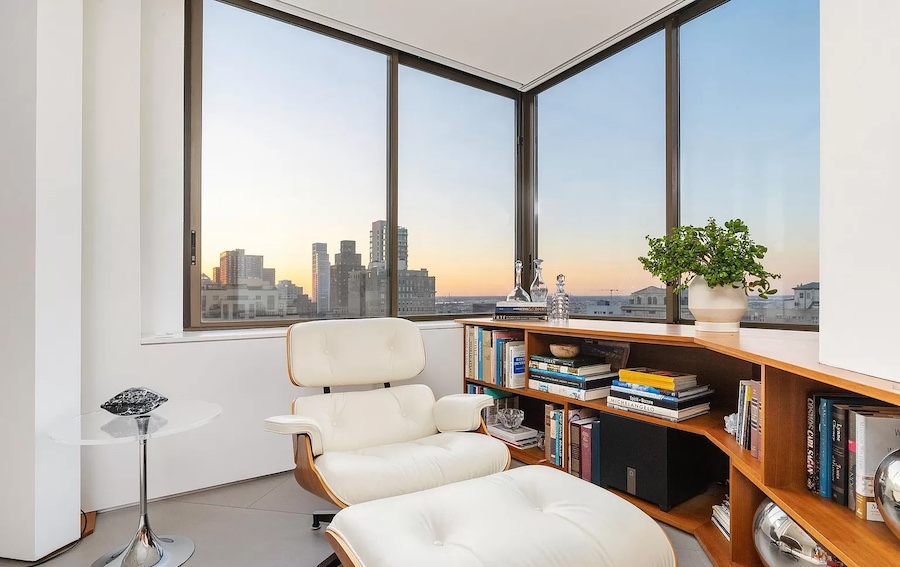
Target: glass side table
(103,428)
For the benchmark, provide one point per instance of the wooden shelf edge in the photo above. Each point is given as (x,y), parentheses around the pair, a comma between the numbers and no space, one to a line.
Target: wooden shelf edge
(687,516)
(714,544)
(857,542)
(531,456)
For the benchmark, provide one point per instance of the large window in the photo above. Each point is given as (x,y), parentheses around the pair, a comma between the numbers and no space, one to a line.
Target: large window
(740,128)
(291,206)
(750,139)
(601,181)
(457,187)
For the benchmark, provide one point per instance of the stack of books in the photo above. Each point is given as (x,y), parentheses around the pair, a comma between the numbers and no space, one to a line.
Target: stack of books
(521,437)
(721,518)
(673,396)
(582,378)
(520,311)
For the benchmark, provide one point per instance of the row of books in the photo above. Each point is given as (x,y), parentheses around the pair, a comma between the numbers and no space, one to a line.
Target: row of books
(673,396)
(580,378)
(520,311)
(577,432)
(721,517)
(749,416)
(496,356)
(847,436)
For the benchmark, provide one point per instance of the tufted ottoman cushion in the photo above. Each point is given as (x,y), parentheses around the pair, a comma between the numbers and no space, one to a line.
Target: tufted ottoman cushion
(530,516)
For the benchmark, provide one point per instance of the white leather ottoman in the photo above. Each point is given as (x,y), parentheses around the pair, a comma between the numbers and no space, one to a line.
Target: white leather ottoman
(530,516)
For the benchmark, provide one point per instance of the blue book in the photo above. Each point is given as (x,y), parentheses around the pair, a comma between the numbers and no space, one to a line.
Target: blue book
(651,390)
(480,375)
(826,407)
(595,452)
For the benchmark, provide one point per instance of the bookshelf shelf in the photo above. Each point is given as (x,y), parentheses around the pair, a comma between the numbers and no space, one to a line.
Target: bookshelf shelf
(531,456)
(787,364)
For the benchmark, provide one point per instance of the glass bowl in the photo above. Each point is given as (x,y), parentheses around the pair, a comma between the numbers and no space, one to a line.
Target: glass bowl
(510,418)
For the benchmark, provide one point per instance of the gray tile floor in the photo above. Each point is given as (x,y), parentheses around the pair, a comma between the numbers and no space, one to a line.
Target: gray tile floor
(262,522)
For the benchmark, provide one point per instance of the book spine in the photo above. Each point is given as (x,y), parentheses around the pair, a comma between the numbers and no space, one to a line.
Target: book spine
(467,348)
(616,387)
(648,389)
(663,412)
(554,435)
(851,460)
(548,408)
(566,376)
(742,385)
(553,360)
(861,502)
(565,391)
(748,393)
(584,435)
(755,414)
(839,455)
(812,479)
(560,437)
(825,448)
(616,392)
(575,449)
(595,452)
(517,368)
(480,353)
(571,383)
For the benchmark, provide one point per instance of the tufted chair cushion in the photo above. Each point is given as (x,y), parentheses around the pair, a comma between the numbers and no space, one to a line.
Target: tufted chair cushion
(354,353)
(356,420)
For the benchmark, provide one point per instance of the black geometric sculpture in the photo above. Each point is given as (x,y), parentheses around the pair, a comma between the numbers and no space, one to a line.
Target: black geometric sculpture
(134,401)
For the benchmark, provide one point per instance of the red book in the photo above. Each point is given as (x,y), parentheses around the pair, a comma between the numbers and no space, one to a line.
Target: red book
(586,452)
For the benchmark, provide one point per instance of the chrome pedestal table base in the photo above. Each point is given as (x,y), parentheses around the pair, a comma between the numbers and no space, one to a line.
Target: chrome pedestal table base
(147,549)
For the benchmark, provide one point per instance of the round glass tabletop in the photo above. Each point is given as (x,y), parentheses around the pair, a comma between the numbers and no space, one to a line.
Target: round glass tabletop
(103,428)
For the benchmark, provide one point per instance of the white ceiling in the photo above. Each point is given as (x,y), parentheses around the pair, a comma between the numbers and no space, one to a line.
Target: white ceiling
(520,43)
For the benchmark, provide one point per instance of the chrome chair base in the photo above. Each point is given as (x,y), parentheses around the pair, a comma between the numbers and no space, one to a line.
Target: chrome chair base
(175,551)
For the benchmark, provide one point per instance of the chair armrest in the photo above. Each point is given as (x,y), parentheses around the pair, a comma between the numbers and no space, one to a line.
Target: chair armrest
(298,425)
(460,412)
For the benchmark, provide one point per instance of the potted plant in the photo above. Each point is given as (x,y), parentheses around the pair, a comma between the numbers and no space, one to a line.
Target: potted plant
(718,265)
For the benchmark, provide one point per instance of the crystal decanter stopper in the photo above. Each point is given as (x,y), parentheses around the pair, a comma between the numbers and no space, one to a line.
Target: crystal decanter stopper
(518,293)
(538,288)
(559,305)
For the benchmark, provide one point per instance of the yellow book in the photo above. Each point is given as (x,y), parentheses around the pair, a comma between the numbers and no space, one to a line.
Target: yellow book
(654,378)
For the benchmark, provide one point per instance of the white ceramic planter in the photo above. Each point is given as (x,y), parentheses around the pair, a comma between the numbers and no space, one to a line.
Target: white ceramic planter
(717,309)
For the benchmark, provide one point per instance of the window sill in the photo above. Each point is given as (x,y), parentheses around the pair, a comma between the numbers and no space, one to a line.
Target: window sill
(252,334)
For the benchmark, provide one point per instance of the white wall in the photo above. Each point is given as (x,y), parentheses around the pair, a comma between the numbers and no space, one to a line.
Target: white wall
(133,217)
(860,196)
(40,243)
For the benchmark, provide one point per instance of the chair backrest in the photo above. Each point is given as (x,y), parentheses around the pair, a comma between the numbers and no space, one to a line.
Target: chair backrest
(354,352)
(357,420)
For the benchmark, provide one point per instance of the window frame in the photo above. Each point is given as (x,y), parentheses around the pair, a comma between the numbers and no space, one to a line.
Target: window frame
(193,98)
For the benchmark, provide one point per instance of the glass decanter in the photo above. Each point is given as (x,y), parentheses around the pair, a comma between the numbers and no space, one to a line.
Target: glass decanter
(559,304)
(518,293)
(538,288)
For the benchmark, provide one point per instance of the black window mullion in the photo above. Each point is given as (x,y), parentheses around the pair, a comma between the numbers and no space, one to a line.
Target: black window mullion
(673,131)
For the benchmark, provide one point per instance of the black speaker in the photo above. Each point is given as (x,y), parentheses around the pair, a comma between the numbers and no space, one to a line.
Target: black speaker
(658,464)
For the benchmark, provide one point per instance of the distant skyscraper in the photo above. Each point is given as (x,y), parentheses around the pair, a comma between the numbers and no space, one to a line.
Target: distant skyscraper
(321,277)
(346,262)
(378,250)
(237,267)
(269,276)
(215,277)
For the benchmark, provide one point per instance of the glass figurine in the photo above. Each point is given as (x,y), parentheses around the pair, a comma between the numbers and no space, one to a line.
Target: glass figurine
(538,288)
(559,305)
(518,293)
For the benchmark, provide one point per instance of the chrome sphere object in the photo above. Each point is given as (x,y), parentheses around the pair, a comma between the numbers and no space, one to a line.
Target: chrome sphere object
(780,541)
(887,491)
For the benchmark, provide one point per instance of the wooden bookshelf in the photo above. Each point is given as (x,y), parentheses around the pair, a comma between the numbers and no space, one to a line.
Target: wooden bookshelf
(787,364)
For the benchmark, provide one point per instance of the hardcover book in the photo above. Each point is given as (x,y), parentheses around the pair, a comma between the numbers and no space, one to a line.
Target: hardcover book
(567,392)
(575,371)
(657,378)
(576,362)
(588,383)
(663,391)
(877,434)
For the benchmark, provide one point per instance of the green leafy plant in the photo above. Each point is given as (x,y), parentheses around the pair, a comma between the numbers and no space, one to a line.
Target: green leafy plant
(722,255)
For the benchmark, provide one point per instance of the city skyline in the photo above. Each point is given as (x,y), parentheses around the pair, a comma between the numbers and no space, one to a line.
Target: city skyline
(290,159)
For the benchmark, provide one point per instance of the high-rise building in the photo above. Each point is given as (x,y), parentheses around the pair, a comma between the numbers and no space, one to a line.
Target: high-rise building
(269,276)
(346,262)
(237,267)
(378,248)
(215,277)
(321,277)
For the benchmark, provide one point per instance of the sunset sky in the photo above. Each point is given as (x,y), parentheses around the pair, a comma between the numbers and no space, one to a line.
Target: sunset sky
(294,151)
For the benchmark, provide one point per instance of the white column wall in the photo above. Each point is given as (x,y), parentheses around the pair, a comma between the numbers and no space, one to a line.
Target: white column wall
(133,219)
(860,198)
(40,291)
